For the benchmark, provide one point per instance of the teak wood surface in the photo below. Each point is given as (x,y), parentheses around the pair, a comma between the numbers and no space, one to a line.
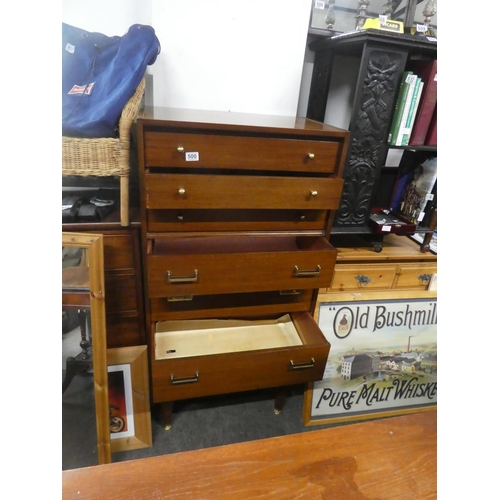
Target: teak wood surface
(394,458)
(396,249)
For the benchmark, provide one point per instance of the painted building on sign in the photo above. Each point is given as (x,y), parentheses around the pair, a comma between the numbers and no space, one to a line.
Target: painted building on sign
(356,366)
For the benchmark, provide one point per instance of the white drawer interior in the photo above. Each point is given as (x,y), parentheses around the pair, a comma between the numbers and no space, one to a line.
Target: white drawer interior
(186,338)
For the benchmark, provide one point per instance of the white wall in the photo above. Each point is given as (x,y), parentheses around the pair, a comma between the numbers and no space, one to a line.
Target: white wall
(230,55)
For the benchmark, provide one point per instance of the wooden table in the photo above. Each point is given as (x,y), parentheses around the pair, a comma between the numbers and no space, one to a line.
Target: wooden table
(394,458)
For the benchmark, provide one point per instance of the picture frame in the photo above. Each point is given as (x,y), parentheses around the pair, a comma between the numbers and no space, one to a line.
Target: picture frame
(382,360)
(128,392)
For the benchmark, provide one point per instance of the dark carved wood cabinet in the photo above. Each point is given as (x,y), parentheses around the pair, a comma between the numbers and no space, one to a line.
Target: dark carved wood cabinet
(235,213)
(381,58)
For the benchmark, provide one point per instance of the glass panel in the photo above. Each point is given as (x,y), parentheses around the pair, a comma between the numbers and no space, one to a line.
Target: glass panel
(426,13)
(79,435)
(340,16)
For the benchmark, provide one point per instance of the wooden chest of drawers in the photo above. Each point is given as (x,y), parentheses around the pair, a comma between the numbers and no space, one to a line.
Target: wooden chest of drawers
(235,209)
(401,266)
(122,278)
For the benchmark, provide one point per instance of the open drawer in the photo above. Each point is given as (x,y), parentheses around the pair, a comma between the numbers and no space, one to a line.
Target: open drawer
(194,358)
(201,265)
(230,305)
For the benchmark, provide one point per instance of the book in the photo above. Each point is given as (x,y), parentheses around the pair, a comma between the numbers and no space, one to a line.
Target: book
(427,70)
(431,138)
(413,113)
(408,161)
(406,110)
(418,190)
(404,133)
(398,110)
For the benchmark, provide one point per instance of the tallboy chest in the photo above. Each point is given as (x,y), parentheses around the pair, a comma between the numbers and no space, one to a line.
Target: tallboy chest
(236,213)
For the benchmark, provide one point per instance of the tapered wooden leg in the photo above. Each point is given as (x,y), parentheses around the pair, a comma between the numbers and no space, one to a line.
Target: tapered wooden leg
(124,200)
(279,400)
(166,414)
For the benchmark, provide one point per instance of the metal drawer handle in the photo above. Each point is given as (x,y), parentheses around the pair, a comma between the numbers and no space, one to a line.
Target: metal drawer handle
(302,366)
(181,191)
(314,192)
(180,149)
(310,155)
(424,278)
(182,279)
(290,292)
(303,274)
(362,280)
(184,380)
(181,298)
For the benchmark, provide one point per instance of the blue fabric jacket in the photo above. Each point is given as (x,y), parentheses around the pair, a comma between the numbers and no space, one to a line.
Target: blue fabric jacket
(99,75)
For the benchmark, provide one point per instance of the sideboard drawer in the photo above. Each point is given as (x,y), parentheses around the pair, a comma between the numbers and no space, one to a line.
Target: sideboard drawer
(224,264)
(415,275)
(225,151)
(366,276)
(184,191)
(233,356)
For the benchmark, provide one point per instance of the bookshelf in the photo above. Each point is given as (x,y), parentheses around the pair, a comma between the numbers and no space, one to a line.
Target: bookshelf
(381,58)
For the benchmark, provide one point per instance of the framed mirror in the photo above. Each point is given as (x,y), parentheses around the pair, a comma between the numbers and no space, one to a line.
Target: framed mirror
(85,406)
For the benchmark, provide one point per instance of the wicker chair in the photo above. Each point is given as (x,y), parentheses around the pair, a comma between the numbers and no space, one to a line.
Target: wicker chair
(107,156)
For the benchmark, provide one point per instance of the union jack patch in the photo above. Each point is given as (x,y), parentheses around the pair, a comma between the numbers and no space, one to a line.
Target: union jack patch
(82,89)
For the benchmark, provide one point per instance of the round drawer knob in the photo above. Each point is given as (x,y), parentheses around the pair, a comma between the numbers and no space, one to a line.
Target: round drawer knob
(314,192)
(182,191)
(310,155)
(180,149)
(180,217)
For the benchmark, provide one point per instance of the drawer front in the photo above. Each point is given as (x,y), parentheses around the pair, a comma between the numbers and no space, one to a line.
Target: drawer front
(216,265)
(366,277)
(123,329)
(193,220)
(176,191)
(121,293)
(415,276)
(164,149)
(118,251)
(231,305)
(241,371)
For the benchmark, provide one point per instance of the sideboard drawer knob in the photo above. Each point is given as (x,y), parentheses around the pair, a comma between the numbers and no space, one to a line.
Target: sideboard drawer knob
(310,156)
(314,192)
(181,191)
(180,149)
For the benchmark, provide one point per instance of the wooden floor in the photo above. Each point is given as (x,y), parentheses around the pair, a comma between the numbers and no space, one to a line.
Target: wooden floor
(392,458)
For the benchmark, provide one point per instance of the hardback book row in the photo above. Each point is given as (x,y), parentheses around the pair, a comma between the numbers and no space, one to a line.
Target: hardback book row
(414,121)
